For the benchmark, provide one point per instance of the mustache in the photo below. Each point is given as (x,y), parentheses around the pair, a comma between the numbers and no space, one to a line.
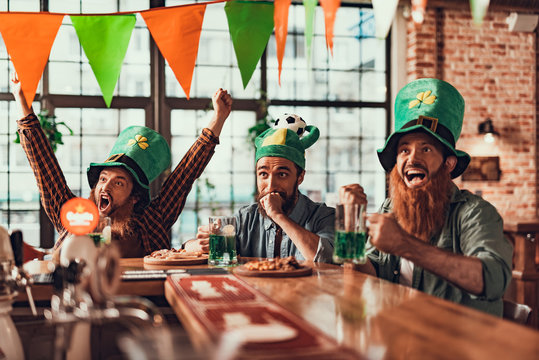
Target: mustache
(280,193)
(414,166)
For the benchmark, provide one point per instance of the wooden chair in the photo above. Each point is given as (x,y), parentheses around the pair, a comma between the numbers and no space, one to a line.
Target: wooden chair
(519,313)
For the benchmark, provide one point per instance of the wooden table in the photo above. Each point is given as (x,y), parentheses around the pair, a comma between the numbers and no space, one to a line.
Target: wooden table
(380,319)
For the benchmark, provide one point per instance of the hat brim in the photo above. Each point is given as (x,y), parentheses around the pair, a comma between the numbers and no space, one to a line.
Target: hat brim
(95,169)
(388,154)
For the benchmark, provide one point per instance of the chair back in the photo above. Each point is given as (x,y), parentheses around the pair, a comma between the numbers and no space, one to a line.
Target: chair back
(519,313)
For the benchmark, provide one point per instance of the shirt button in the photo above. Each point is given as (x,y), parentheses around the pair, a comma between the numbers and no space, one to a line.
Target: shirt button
(395,272)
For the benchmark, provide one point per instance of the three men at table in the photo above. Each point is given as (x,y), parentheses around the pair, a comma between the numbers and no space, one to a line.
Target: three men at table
(430,235)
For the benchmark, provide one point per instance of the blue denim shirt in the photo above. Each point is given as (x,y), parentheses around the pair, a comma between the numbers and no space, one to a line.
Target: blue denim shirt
(473,227)
(256,234)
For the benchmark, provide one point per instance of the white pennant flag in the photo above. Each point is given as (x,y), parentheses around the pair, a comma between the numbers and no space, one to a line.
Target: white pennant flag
(384,12)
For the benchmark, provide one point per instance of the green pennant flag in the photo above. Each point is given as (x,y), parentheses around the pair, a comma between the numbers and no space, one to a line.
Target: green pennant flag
(250,25)
(479,10)
(310,8)
(105,40)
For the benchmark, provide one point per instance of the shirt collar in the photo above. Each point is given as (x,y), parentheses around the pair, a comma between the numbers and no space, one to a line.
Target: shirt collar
(456,195)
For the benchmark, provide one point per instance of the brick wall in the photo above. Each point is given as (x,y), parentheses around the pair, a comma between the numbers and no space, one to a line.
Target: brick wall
(496,72)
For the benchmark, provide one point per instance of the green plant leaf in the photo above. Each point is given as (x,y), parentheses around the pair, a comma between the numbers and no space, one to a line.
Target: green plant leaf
(50,128)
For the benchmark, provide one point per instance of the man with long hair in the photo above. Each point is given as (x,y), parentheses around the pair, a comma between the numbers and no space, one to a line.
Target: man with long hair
(430,235)
(120,186)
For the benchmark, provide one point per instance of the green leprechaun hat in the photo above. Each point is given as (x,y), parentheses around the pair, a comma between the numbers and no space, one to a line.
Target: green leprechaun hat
(141,151)
(432,106)
(285,143)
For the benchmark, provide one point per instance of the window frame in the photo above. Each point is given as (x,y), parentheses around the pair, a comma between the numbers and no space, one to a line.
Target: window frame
(158,106)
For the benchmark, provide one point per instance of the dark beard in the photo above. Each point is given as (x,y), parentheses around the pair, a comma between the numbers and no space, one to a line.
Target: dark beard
(288,201)
(123,229)
(421,212)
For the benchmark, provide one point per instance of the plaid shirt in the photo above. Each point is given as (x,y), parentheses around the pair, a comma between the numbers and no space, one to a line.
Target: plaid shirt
(154,223)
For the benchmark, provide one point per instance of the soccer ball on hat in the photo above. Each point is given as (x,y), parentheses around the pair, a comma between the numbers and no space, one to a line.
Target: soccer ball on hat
(291,121)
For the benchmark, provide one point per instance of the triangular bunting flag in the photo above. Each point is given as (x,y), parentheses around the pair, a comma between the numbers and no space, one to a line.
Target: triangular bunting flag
(280,17)
(310,9)
(330,11)
(28,39)
(250,25)
(479,10)
(176,32)
(105,40)
(384,12)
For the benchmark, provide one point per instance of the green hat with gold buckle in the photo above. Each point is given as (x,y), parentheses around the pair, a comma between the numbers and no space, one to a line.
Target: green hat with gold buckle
(432,106)
(141,151)
(285,143)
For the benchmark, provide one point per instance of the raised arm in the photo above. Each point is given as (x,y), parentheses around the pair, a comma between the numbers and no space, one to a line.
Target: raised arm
(16,89)
(175,189)
(49,177)
(222,105)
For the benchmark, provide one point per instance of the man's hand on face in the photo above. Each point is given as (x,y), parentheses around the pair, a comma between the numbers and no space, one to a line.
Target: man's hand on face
(385,233)
(202,241)
(272,204)
(352,194)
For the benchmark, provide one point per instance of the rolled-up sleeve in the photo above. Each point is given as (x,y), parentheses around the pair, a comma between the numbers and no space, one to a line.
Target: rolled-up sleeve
(325,229)
(324,252)
(482,237)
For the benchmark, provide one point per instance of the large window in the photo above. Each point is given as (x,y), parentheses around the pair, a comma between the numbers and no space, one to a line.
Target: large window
(344,95)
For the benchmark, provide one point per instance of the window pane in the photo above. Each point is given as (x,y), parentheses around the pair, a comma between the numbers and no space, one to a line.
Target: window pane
(355,52)
(345,152)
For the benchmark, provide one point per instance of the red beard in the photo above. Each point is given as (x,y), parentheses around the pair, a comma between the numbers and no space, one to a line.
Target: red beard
(421,212)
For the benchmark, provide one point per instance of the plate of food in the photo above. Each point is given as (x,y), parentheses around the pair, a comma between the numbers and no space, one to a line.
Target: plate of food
(277,267)
(175,257)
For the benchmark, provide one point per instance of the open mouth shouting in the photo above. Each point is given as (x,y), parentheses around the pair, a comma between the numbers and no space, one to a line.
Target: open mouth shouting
(415,176)
(104,203)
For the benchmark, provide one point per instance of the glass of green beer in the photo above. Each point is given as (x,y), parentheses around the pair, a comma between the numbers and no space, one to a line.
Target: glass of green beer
(222,241)
(350,233)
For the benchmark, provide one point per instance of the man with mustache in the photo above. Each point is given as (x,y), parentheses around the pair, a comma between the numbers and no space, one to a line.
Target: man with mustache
(430,235)
(120,184)
(282,222)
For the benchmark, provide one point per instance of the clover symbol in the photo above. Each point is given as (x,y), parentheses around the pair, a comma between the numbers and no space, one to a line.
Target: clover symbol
(140,140)
(424,97)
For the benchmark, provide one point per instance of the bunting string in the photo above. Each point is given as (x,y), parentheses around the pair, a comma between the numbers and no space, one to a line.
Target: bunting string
(175,29)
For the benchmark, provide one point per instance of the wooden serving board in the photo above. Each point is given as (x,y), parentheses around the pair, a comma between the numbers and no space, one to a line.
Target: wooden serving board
(302,271)
(179,262)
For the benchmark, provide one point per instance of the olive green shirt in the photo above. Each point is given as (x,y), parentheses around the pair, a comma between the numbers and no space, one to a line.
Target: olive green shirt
(473,227)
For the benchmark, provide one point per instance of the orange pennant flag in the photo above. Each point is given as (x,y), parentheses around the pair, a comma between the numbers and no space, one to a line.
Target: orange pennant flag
(176,32)
(28,38)
(330,11)
(280,18)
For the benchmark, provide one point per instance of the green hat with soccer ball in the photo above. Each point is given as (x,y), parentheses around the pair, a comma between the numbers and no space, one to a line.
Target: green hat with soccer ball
(141,151)
(287,139)
(432,106)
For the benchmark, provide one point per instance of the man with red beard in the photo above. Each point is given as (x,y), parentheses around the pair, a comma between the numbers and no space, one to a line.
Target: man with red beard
(430,235)
(120,184)
(283,222)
